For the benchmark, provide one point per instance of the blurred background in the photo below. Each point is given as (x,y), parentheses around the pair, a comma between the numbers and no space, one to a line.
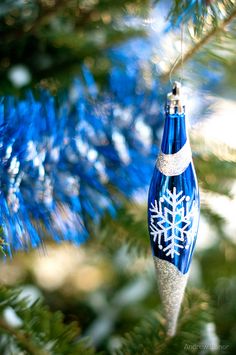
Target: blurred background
(115,48)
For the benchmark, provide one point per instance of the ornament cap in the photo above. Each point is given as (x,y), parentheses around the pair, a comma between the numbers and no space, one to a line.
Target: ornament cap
(175,99)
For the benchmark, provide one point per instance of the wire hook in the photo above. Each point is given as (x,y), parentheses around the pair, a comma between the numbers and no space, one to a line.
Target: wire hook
(180,57)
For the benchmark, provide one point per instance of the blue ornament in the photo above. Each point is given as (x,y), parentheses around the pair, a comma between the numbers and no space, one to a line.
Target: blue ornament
(173,209)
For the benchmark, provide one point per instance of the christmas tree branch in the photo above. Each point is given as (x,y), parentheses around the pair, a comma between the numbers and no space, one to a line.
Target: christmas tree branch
(45,15)
(193,50)
(150,337)
(22,338)
(41,332)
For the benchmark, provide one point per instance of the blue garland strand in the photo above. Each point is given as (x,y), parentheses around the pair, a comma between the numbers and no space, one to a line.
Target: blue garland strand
(59,157)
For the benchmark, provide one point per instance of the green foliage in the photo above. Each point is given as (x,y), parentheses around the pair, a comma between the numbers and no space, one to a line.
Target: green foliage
(209,167)
(200,13)
(219,51)
(39,331)
(208,32)
(53,38)
(225,314)
(150,337)
(3,244)
(128,228)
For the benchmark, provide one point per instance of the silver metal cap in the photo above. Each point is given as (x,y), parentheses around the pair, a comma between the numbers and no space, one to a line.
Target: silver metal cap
(175,100)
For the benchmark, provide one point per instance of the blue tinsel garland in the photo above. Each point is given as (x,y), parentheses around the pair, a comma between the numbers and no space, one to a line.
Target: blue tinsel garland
(59,157)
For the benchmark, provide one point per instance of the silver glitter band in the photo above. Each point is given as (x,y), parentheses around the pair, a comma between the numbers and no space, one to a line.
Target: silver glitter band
(171,283)
(177,163)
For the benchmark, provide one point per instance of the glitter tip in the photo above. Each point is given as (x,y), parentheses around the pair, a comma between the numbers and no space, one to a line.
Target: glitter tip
(171,283)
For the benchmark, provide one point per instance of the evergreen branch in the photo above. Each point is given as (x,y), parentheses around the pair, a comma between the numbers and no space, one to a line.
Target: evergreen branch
(225,314)
(208,167)
(126,228)
(46,14)
(3,244)
(198,12)
(198,46)
(41,332)
(22,338)
(150,337)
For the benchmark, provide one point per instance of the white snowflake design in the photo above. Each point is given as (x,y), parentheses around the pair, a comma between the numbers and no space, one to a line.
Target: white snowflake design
(176,224)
